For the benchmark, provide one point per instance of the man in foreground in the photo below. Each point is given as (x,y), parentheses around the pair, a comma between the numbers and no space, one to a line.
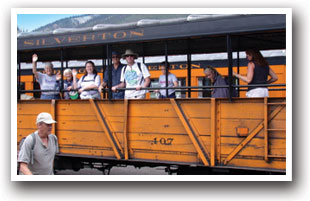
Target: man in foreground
(37,153)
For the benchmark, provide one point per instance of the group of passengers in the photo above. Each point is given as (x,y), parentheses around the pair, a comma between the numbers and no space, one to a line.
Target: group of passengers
(135,75)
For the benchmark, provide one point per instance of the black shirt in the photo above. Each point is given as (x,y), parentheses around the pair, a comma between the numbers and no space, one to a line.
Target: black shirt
(260,75)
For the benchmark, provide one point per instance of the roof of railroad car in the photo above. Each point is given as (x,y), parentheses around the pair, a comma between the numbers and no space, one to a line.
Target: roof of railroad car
(207,34)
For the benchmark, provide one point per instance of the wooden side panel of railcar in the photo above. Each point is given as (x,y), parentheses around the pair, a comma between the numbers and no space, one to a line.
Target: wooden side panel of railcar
(244,133)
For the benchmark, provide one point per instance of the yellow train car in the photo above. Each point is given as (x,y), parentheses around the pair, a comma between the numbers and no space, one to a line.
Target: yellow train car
(244,134)
(193,134)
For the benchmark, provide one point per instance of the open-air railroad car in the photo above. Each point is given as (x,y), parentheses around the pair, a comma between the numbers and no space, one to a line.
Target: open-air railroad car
(188,135)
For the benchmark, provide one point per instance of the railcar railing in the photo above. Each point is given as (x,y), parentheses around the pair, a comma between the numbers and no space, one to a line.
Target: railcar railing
(178,89)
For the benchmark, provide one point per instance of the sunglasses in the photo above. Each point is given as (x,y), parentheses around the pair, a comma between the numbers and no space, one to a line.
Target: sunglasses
(129,55)
(115,57)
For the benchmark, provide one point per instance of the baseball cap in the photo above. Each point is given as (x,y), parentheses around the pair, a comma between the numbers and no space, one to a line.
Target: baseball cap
(115,53)
(45,117)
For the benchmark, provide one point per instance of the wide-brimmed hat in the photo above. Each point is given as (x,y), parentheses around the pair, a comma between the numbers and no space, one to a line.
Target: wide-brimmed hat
(46,118)
(129,52)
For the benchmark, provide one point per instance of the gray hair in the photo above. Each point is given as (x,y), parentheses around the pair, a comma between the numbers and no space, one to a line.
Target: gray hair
(49,64)
(210,69)
(68,70)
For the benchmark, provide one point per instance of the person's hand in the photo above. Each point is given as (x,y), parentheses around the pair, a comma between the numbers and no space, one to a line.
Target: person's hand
(81,90)
(100,88)
(69,88)
(74,72)
(114,89)
(234,74)
(156,91)
(58,76)
(34,58)
(138,88)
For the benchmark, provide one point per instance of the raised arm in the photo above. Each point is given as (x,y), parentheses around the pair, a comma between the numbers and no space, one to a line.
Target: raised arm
(74,73)
(34,65)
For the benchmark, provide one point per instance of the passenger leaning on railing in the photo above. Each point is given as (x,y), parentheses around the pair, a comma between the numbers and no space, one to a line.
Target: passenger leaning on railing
(172,81)
(89,82)
(134,75)
(258,71)
(216,80)
(47,81)
(116,76)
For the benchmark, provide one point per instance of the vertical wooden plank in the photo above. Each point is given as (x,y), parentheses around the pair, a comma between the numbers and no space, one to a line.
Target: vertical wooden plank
(218,130)
(213,131)
(53,113)
(126,128)
(266,127)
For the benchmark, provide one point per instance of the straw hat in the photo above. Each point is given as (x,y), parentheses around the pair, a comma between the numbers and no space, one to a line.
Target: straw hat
(129,52)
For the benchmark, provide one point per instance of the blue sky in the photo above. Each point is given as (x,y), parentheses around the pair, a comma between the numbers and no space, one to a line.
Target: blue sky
(33,21)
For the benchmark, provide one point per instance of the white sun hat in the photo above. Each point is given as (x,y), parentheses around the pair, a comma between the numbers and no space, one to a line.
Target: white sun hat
(46,118)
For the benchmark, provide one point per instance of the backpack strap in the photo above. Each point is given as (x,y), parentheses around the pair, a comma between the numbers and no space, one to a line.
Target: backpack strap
(84,77)
(34,140)
(139,66)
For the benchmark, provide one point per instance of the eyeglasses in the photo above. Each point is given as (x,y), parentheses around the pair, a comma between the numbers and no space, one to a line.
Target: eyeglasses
(129,55)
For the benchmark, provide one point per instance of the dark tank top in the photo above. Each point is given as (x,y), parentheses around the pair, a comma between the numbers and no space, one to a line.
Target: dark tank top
(260,75)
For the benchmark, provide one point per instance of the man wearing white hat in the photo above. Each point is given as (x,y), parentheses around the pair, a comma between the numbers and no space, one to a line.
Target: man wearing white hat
(37,153)
(134,75)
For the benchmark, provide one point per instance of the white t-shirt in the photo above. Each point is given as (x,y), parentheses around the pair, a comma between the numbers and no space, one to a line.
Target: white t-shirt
(48,82)
(162,83)
(132,77)
(88,80)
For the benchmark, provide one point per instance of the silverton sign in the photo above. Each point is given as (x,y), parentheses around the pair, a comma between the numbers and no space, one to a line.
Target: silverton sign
(78,39)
